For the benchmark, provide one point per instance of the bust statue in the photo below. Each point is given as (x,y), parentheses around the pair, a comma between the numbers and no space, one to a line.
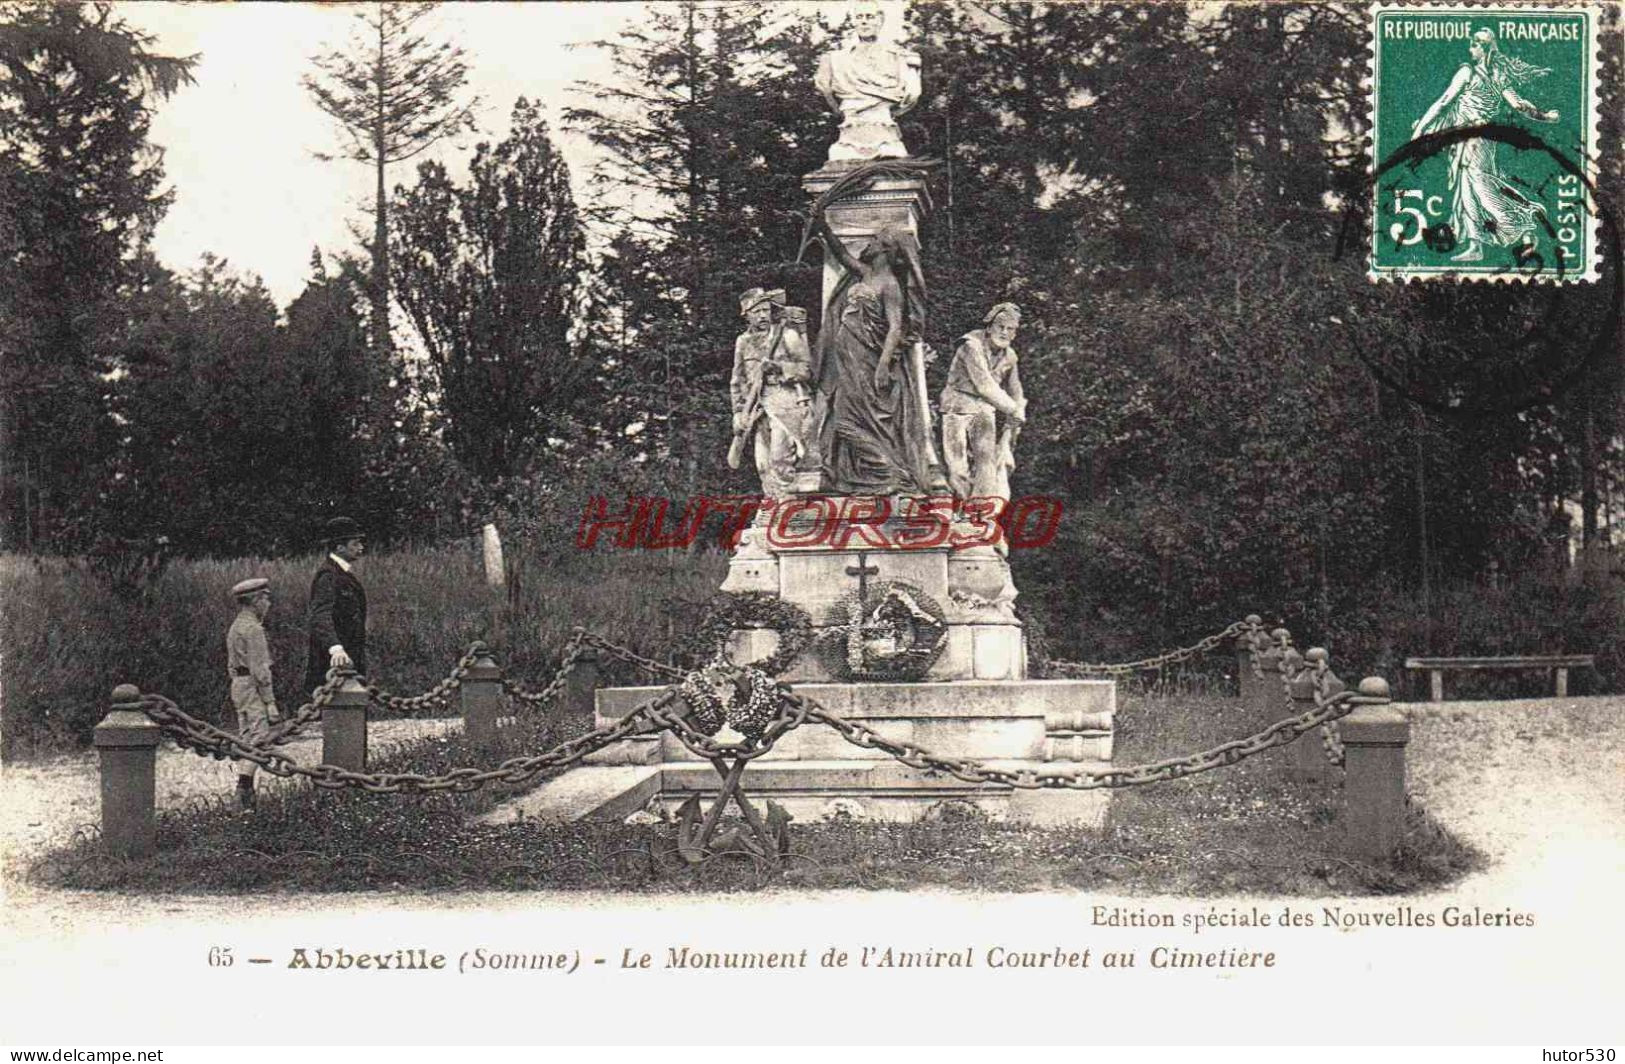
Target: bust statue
(870,82)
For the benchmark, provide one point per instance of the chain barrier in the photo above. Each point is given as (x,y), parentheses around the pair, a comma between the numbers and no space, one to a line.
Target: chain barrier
(1278,734)
(669,711)
(288,729)
(204,738)
(567,663)
(1159,661)
(632,657)
(1257,642)
(436,697)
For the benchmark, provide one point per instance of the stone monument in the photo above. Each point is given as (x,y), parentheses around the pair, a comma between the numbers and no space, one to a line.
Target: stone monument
(914,631)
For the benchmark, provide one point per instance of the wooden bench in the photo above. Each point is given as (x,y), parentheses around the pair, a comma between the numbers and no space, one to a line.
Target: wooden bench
(1560,663)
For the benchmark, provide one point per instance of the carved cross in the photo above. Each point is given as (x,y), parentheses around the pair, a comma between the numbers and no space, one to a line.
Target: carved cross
(863,570)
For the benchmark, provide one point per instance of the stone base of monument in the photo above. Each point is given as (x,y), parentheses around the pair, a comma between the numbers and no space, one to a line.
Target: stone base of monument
(1047,726)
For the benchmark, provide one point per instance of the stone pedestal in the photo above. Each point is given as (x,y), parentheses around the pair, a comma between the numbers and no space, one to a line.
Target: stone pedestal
(973,587)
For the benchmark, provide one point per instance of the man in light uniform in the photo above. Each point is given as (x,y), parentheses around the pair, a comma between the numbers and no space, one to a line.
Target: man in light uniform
(248,663)
(771,364)
(982,384)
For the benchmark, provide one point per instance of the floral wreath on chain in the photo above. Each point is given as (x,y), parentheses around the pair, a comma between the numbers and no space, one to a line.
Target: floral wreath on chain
(741,696)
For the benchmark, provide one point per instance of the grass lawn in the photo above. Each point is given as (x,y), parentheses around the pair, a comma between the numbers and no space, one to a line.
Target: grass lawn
(1250,828)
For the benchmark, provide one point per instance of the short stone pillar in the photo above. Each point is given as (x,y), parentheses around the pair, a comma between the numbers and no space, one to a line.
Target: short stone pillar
(1271,701)
(1309,751)
(1374,740)
(1246,677)
(344,727)
(481,696)
(127,743)
(583,681)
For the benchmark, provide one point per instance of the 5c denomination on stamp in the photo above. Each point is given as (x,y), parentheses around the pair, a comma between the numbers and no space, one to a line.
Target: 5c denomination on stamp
(1493,110)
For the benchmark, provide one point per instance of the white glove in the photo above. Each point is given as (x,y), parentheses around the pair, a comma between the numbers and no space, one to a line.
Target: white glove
(339,659)
(273,714)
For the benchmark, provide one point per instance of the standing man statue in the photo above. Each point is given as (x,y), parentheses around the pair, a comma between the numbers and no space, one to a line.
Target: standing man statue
(983,384)
(338,606)
(769,389)
(248,666)
(870,82)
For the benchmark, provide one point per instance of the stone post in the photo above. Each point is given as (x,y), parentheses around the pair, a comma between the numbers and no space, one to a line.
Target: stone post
(1374,740)
(1246,679)
(127,743)
(1269,701)
(583,680)
(481,696)
(344,727)
(1309,751)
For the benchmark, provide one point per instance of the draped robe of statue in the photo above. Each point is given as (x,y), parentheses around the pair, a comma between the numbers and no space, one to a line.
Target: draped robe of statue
(874,440)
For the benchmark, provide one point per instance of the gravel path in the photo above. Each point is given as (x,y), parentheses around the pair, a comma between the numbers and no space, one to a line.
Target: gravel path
(43,804)
(1535,785)
(1524,781)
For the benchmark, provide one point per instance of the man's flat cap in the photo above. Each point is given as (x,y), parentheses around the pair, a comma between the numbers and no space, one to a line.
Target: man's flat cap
(341,529)
(244,588)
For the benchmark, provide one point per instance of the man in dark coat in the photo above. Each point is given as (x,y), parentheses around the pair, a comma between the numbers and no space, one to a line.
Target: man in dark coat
(338,606)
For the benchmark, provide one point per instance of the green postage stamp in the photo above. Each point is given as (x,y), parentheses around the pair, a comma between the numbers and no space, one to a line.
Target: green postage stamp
(1484,129)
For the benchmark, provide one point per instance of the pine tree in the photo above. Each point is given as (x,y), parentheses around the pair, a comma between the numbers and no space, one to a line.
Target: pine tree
(394,94)
(80,193)
(707,127)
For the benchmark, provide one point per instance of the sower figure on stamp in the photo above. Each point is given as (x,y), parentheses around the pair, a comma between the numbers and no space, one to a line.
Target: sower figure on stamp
(1485,206)
(338,607)
(983,383)
(248,665)
(769,389)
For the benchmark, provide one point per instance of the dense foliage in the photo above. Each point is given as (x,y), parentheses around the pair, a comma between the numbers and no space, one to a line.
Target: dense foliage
(1231,414)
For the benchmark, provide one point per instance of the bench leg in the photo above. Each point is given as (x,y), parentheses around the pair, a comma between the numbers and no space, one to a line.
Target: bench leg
(1562,683)
(1436,684)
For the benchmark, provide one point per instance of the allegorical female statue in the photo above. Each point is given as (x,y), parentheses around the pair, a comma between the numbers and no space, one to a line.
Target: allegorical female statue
(1485,208)
(871,416)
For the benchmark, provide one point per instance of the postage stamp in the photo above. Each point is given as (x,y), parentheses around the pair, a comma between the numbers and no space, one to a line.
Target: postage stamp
(1484,129)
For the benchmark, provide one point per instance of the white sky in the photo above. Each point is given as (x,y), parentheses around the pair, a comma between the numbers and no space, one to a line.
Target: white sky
(238,145)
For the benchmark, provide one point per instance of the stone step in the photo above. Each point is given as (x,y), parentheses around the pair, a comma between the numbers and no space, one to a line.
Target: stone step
(814,790)
(808,790)
(597,791)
